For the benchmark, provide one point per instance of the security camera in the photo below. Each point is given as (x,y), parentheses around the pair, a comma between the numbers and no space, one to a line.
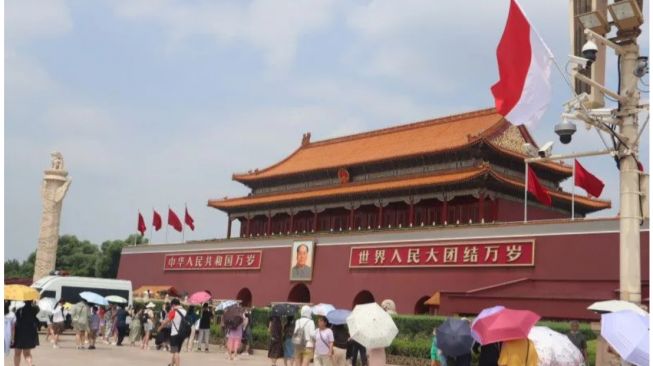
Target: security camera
(589,51)
(545,150)
(642,66)
(565,130)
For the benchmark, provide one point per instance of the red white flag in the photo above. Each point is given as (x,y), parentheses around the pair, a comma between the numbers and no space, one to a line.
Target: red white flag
(587,180)
(156,221)
(189,220)
(536,188)
(173,220)
(523,91)
(141,224)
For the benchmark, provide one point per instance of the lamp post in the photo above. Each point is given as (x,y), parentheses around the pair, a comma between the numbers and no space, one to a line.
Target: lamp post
(628,18)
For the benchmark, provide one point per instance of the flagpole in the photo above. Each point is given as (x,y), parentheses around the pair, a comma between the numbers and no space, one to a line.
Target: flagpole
(526,192)
(573,190)
(167,224)
(151,231)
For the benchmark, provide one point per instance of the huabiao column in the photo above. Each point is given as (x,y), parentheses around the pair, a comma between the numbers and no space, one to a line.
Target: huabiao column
(53,190)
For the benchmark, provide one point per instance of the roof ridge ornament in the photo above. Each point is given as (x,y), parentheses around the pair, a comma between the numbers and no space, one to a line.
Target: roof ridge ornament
(306,138)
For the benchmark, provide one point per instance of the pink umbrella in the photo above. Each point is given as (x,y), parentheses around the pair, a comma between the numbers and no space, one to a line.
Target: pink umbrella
(505,325)
(199,297)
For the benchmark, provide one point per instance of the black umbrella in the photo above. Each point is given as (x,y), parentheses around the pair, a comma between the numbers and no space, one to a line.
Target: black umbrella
(284,310)
(233,317)
(454,337)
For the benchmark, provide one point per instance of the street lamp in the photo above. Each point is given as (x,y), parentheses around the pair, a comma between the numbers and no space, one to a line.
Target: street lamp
(626,15)
(594,21)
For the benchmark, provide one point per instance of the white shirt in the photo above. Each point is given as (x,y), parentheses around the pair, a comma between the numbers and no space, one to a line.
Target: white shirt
(309,330)
(176,322)
(57,314)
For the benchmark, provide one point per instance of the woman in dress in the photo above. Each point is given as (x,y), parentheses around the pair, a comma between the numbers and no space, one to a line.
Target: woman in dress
(135,328)
(275,350)
(26,333)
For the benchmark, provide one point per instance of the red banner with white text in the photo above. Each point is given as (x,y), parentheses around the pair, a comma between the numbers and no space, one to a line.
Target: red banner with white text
(500,254)
(242,260)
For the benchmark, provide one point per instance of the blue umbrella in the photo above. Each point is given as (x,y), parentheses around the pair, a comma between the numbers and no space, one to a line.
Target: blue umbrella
(94,298)
(627,332)
(454,337)
(338,316)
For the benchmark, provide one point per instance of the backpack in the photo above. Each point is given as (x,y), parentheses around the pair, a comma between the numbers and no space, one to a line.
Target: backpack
(184,326)
(298,338)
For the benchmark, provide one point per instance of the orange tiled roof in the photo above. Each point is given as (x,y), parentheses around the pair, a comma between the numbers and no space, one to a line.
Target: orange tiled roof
(594,204)
(353,188)
(388,185)
(436,135)
(558,167)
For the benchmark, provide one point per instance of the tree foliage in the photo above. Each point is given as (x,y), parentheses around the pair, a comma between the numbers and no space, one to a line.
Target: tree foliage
(79,258)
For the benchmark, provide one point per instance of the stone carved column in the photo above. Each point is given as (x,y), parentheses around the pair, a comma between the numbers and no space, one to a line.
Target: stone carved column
(53,190)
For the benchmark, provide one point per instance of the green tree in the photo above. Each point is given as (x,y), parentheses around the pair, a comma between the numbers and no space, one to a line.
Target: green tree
(76,257)
(107,265)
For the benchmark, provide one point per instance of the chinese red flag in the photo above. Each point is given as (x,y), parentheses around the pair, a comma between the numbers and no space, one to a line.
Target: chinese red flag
(173,220)
(141,224)
(587,180)
(156,221)
(189,220)
(536,188)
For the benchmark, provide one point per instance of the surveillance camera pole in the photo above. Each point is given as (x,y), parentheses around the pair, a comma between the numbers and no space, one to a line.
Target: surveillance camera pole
(630,216)
(627,152)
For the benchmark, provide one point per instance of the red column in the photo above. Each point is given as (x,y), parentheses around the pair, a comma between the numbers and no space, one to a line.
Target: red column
(495,209)
(445,210)
(292,222)
(351,218)
(481,210)
(380,219)
(228,227)
(315,221)
(269,224)
(411,214)
(247,227)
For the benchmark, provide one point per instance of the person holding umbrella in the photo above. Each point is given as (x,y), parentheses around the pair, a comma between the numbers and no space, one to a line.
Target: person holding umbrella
(338,320)
(235,333)
(203,332)
(81,314)
(275,349)
(323,343)
(58,319)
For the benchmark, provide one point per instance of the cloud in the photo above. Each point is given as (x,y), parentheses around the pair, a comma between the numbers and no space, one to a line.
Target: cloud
(29,19)
(272,26)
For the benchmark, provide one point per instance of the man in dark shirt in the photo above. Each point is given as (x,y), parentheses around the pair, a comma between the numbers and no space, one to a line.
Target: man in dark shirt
(488,354)
(577,338)
(340,337)
(205,326)
(121,324)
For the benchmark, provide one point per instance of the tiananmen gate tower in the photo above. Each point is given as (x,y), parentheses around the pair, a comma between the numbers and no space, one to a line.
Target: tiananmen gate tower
(428,214)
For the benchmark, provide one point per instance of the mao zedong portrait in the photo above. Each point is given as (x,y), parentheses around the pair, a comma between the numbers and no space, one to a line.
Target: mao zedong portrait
(301,271)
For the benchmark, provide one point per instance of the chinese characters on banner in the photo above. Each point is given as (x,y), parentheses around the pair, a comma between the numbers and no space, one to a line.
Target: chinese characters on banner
(212,261)
(506,254)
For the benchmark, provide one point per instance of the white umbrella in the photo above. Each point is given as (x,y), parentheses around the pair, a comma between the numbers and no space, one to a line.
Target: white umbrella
(46,306)
(554,349)
(322,309)
(150,305)
(371,326)
(628,333)
(226,304)
(611,306)
(116,299)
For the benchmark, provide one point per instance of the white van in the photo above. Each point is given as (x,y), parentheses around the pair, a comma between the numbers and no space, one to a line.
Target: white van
(69,287)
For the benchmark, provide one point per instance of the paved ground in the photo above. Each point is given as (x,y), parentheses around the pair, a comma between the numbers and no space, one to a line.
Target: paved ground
(107,355)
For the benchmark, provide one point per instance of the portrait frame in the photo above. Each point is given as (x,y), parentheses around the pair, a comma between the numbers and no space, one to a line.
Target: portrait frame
(302,273)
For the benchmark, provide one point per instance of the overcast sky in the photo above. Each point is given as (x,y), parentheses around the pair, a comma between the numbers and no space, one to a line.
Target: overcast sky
(157,103)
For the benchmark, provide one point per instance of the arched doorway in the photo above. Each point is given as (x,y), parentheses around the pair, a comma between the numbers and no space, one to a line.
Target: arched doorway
(245,297)
(299,293)
(420,306)
(363,297)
